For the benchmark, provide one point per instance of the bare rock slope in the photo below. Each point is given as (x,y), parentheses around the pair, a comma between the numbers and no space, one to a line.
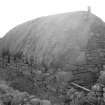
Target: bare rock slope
(58,39)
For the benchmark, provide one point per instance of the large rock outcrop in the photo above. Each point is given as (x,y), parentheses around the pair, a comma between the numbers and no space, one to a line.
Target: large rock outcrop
(59,40)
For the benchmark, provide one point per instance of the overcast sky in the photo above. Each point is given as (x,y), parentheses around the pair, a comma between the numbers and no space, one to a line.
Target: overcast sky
(14,12)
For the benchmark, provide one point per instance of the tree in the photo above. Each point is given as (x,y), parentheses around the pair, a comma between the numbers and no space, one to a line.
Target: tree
(31,63)
(5,56)
(18,55)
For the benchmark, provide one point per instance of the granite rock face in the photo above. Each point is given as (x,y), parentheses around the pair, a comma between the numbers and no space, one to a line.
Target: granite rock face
(59,40)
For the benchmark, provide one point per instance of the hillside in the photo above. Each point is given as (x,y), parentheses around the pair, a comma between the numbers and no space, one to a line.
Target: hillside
(46,56)
(56,40)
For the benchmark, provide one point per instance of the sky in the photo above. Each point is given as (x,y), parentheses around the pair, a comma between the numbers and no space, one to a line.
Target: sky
(15,12)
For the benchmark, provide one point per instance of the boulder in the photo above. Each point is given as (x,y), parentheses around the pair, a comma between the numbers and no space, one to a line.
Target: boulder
(35,101)
(45,102)
(55,41)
